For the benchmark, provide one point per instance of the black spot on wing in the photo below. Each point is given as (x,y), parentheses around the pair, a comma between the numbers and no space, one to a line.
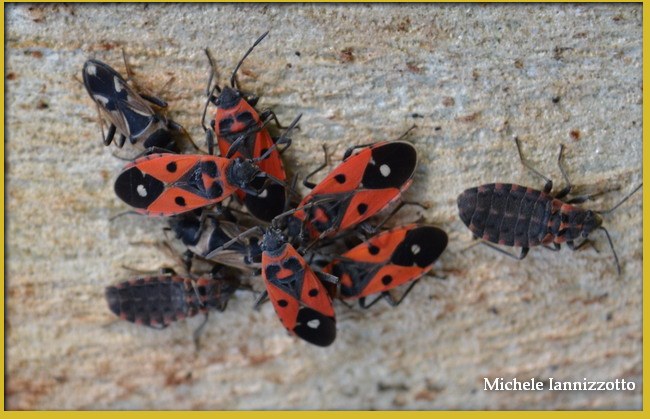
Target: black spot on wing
(138,189)
(245,118)
(209,168)
(394,164)
(315,327)
(421,247)
(292,264)
(225,125)
(271,272)
(214,191)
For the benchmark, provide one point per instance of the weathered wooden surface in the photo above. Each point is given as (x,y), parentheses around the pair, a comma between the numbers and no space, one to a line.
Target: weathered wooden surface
(470,76)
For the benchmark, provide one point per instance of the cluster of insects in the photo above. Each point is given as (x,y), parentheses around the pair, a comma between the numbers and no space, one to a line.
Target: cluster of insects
(236,212)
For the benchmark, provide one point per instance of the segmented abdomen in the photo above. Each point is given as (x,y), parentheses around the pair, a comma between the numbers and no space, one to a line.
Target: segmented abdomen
(506,214)
(153,301)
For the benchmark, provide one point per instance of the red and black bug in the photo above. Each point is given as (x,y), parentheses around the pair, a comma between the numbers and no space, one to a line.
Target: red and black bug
(362,185)
(297,293)
(386,261)
(514,215)
(241,132)
(158,301)
(130,115)
(170,184)
(298,296)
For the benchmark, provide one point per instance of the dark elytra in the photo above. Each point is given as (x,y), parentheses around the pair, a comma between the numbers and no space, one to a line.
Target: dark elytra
(269,203)
(399,157)
(127,183)
(103,84)
(315,328)
(431,242)
(103,89)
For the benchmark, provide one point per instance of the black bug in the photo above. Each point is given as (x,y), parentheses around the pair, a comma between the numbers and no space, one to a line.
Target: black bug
(129,114)
(158,301)
(203,232)
(514,215)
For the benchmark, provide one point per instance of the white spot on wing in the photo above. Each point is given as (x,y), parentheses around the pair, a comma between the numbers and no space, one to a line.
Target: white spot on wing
(91,69)
(118,84)
(264,194)
(314,324)
(415,249)
(384,169)
(100,99)
(142,191)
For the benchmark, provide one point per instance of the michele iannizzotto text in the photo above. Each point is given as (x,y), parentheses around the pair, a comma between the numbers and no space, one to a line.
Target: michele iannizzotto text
(552,384)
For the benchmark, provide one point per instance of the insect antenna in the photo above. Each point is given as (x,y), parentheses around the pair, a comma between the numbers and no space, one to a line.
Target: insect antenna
(609,239)
(234,73)
(621,202)
(611,245)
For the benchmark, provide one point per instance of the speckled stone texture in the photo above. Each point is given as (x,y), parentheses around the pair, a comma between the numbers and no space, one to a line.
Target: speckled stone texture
(470,76)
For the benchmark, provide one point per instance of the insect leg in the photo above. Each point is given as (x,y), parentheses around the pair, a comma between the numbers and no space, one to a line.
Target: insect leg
(555,248)
(261,299)
(268,113)
(312,185)
(109,136)
(158,102)
(120,141)
(395,302)
(549,183)
(567,189)
(611,245)
(183,132)
(524,251)
(324,277)
(571,245)
(196,336)
(256,229)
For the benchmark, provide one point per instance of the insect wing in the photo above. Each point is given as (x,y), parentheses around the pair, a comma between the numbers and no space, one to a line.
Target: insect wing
(298,297)
(367,182)
(170,184)
(388,260)
(121,106)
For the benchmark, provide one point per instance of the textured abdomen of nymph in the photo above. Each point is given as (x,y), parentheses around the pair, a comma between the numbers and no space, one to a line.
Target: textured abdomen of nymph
(153,301)
(506,214)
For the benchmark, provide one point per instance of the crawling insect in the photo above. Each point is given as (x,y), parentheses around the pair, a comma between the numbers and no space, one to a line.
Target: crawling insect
(514,215)
(158,301)
(129,114)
